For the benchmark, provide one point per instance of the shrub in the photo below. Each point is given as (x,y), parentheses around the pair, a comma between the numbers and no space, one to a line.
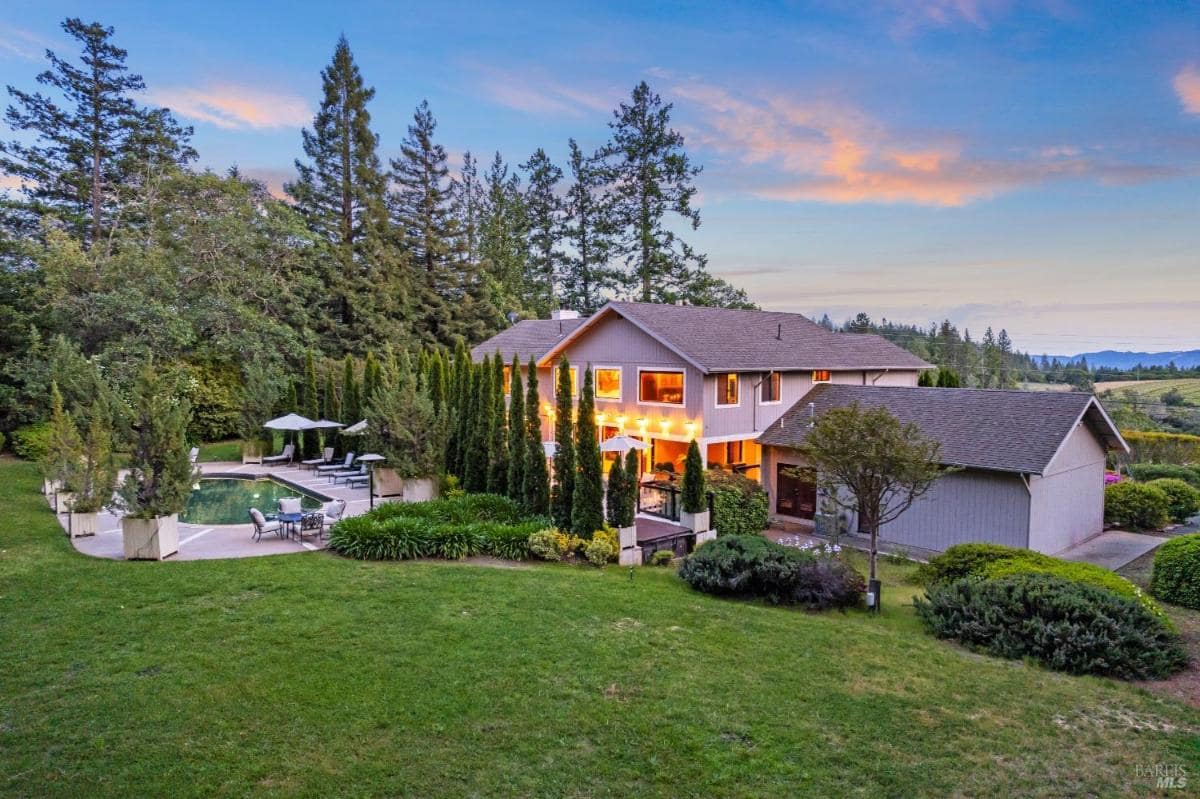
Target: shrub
(455,542)
(1155,447)
(600,550)
(1183,501)
(1145,472)
(662,557)
(1066,626)
(1136,506)
(739,503)
(1176,576)
(963,560)
(1035,563)
(510,542)
(549,544)
(32,441)
(752,566)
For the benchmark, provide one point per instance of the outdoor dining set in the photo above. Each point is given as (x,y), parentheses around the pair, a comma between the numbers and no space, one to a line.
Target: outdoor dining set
(292,521)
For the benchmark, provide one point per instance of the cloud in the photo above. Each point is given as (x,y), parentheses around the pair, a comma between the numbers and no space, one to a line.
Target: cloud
(834,152)
(23,44)
(1187,86)
(538,93)
(235,107)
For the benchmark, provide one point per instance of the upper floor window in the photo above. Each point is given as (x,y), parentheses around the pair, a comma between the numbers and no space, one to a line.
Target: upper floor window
(727,389)
(772,387)
(665,388)
(608,383)
(821,376)
(508,380)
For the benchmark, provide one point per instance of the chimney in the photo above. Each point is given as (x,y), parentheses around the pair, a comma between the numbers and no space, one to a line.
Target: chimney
(564,313)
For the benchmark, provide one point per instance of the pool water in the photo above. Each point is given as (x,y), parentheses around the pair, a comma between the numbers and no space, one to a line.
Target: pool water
(228,500)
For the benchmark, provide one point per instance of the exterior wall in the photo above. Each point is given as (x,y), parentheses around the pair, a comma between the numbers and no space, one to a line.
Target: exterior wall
(1068,501)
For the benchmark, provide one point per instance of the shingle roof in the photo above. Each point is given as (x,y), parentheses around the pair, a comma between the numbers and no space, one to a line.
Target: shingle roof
(1009,431)
(727,340)
(527,338)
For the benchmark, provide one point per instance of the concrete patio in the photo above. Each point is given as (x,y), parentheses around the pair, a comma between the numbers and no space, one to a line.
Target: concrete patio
(206,542)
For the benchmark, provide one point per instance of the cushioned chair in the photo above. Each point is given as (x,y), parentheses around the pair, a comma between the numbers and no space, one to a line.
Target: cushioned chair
(332,513)
(347,474)
(193,454)
(283,457)
(313,463)
(290,505)
(261,525)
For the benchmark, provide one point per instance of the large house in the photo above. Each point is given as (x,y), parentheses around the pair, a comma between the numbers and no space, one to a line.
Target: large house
(744,383)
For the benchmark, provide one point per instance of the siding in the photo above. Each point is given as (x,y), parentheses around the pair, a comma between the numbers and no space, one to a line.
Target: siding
(1068,502)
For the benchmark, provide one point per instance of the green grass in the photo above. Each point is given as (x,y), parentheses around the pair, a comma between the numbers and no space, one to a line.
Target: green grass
(314,676)
(221,451)
(1152,390)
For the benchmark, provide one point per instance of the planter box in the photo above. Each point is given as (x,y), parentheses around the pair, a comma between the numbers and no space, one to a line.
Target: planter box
(388,484)
(630,557)
(49,487)
(150,539)
(696,522)
(705,537)
(82,524)
(251,453)
(627,536)
(420,489)
(63,501)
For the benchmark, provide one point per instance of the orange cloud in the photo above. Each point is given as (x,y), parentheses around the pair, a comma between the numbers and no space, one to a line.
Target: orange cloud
(234,107)
(1187,86)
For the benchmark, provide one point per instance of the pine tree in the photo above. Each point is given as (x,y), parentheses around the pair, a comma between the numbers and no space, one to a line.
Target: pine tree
(544,211)
(537,481)
(352,408)
(477,454)
(516,434)
(329,401)
(497,482)
(989,374)
(63,444)
(651,176)
(468,203)
(371,378)
(586,278)
(504,244)
(948,378)
(1004,345)
(563,491)
(435,380)
(312,409)
(587,511)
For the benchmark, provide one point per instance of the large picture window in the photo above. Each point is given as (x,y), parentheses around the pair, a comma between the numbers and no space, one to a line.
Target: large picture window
(608,383)
(772,386)
(663,388)
(727,389)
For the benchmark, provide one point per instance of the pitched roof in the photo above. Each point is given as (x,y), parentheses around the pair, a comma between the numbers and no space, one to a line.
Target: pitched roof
(527,338)
(1008,431)
(729,340)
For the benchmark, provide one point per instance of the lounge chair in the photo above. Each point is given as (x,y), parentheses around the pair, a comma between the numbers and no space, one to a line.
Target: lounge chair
(348,473)
(193,454)
(335,467)
(283,457)
(356,480)
(331,513)
(261,525)
(321,461)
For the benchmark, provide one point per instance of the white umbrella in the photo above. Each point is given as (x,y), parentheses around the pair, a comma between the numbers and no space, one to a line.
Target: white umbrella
(622,444)
(292,422)
(550,448)
(325,424)
(355,429)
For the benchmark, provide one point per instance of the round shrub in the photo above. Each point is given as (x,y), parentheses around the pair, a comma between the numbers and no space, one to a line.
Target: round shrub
(1065,625)
(548,544)
(1176,576)
(1145,472)
(1086,573)
(600,550)
(662,557)
(739,503)
(964,560)
(1136,506)
(1183,500)
(32,441)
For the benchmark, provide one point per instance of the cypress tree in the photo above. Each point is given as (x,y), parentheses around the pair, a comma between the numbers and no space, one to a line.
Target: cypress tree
(351,400)
(615,495)
(329,403)
(587,509)
(312,406)
(633,475)
(925,379)
(464,372)
(563,492)
(371,376)
(477,454)
(435,381)
(537,481)
(516,434)
(692,499)
(498,446)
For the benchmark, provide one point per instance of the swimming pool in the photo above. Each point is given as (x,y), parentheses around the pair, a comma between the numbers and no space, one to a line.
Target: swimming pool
(227,500)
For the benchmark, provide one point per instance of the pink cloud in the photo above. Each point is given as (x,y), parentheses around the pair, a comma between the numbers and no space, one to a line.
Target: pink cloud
(234,106)
(1187,87)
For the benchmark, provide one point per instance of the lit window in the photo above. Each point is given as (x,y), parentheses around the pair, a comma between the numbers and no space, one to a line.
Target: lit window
(574,381)
(508,380)
(727,389)
(821,376)
(772,386)
(608,384)
(661,387)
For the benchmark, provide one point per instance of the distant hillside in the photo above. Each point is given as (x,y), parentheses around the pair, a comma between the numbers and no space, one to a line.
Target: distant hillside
(1184,359)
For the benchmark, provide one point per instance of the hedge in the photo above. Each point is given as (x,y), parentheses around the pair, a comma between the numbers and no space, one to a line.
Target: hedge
(1183,501)
(1136,506)
(739,503)
(1154,447)
(963,560)
(1145,472)
(1176,576)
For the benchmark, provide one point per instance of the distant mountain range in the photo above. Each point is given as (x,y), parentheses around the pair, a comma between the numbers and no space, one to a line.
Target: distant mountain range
(1184,359)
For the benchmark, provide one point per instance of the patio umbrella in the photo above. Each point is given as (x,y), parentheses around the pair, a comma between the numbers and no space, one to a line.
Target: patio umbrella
(325,424)
(622,444)
(292,423)
(356,429)
(550,448)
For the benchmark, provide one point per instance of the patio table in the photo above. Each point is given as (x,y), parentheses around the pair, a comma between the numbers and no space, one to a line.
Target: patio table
(291,521)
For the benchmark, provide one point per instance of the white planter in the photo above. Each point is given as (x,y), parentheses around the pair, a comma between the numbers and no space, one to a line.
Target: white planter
(63,501)
(630,557)
(420,489)
(705,537)
(50,486)
(150,539)
(251,453)
(83,524)
(627,536)
(696,522)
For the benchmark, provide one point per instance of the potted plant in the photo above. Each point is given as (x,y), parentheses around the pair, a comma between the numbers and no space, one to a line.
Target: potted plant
(693,512)
(93,476)
(404,428)
(160,472)
(63,448)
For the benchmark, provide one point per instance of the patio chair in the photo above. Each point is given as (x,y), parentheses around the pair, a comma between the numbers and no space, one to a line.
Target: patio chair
(193,454)
(349,473)
(261,525)
(331,514)
(283,457)
(335,467)
(321,461)
(290,505)
(357,480)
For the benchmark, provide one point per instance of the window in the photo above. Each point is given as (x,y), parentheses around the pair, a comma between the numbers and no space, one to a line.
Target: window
(821,376)
(772,387)
(574,380)
(727,389)
(507,380)
(608,383)
(662,388)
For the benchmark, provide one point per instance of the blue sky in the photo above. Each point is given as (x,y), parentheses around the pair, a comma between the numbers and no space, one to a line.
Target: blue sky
(1034,166)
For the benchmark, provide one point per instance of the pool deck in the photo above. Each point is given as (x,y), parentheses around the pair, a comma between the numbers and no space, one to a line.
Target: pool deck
(206,542)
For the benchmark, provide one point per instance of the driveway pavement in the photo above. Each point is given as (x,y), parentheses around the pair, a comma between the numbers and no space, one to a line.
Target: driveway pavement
(1113,549)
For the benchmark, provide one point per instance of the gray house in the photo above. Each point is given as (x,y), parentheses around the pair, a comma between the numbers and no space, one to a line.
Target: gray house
(1031,464)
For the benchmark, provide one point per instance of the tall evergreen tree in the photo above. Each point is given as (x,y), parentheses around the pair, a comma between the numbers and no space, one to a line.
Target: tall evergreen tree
(468,202)
(497,482)
(587,508)
(614,497)
(537,480)
(352,408)
(312,406)
(586,278)
(371,378)
(989,374)
(477,454)
(633,474)
(435,381)
(504,245)
(651,176)
(562,493)
(544,212)
(1004,345)
(329,402)
(460,419)
(516,433)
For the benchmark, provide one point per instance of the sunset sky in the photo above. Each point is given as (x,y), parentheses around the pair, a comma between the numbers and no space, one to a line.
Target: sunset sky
(1034,166)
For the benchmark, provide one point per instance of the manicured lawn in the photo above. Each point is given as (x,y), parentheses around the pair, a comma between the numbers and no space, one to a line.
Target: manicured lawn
(221,451)
(310,675)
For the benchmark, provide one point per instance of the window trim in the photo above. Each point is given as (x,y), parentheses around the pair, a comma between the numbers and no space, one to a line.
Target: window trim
(683,399)
(779,397)
(828,376)
(721,376)
(620,383)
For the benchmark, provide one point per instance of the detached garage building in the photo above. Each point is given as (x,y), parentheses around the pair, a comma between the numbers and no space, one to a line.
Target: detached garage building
(1031,464)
